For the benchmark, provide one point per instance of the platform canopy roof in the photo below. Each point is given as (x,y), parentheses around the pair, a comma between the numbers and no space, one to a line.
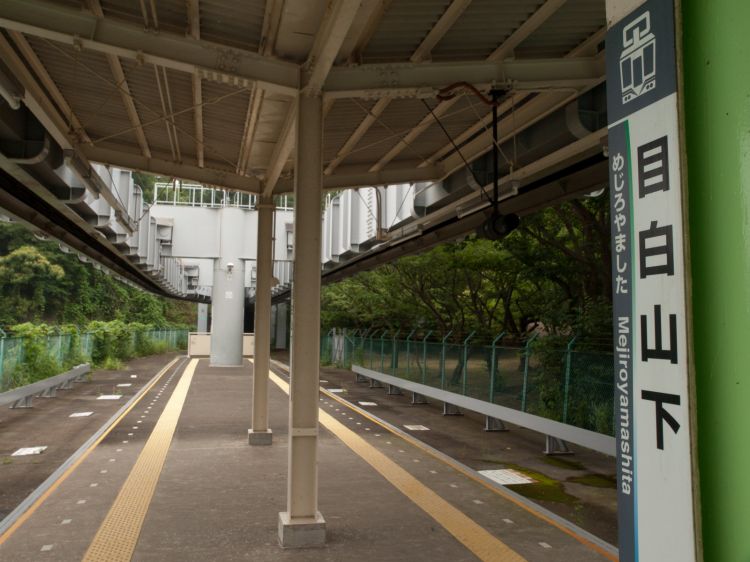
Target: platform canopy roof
(206,90)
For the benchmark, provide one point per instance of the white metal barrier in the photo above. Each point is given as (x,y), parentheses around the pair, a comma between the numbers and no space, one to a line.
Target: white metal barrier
(199,344)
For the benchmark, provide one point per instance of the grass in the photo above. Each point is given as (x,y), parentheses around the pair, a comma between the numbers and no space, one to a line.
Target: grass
(7,460)
(112,364)
(595,480)
(563,463)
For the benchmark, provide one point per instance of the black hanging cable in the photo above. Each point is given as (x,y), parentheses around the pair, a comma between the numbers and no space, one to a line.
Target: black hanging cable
(495,154)
(447,134)
(497,226)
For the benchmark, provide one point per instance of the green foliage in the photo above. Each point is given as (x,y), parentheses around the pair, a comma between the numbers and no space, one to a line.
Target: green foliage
(112,340)
(27,279)
(595,480)
(38,363)
(146,183)
(73,355)
(41,351)
(111,364)
(553,274)
(550,277)
(40,283)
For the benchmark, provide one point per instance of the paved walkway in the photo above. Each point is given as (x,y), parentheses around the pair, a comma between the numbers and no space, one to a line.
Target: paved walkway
(174,479)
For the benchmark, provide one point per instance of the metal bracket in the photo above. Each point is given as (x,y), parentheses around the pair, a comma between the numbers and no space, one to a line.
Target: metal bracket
(374,383)
(394,390)
(494,424)
(360,378)
(67,385)
(556,446)
(25,402)
(417,398)
(451,410)
(49,392)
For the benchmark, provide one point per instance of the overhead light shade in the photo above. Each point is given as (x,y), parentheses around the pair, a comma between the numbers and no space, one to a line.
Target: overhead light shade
(498,226)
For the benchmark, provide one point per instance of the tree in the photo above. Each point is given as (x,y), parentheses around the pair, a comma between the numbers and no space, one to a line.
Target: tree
(39,281)
(28,279)
(553,272)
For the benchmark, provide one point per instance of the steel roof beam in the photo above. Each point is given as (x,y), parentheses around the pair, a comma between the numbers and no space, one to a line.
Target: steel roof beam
(122,85)
(338,19)
(110,36)
(424,79)
(328,40)
(528,27)
(446,21)
(242,68)
(376,12)
(194,26)
(355,176)
(509,43)
(438,31)
(271,22)
(159,166)
(587,47)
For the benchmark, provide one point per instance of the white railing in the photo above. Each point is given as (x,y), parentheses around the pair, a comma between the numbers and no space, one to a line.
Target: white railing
(196,195)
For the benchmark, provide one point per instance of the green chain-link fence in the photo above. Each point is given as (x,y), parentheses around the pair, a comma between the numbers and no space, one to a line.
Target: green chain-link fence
(24,360)
(565,380)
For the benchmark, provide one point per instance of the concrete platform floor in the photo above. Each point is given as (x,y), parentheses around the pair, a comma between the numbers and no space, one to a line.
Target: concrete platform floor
(580,487)
(218,498)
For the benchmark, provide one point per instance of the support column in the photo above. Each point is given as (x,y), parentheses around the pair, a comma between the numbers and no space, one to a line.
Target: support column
(202,317)
(260,433)
(282,325)
(717,124)
(302,525)
(228,292)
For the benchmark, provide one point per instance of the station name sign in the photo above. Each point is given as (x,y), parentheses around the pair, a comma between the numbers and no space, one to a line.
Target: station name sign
(652,406)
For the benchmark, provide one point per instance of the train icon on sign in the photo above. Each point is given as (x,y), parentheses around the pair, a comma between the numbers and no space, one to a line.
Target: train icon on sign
(638,58)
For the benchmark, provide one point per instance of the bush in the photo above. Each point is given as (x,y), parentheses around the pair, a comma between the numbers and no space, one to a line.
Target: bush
(112,343)
(111,364)
(37,363)
(142,343)
(73,354)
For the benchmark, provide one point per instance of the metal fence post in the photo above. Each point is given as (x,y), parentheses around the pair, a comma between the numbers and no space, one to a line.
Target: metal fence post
(382,350)
(343,351)
(424,357)
(408,346)
(493,366)
(2,357)
(372,344)
(442,359)
(331,344)
(568,353)
(527,353)
(466,360)
(394,353)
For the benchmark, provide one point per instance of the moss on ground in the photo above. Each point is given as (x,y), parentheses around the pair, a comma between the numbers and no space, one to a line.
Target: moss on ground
(595,480)
(545,488)
(561,462)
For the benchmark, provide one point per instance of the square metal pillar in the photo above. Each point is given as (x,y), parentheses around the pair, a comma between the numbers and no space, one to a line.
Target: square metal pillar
(260,433)
(302,525)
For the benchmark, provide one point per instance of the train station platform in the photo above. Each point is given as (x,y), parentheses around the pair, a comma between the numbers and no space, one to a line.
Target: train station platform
(173,478)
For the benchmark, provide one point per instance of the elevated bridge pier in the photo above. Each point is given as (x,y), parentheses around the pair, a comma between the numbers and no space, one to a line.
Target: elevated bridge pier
(228,292)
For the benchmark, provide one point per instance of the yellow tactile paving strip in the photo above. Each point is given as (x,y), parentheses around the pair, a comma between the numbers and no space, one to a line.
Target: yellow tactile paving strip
(21,520)
(118,534)
(473,536)
(469,474)
(416,443)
